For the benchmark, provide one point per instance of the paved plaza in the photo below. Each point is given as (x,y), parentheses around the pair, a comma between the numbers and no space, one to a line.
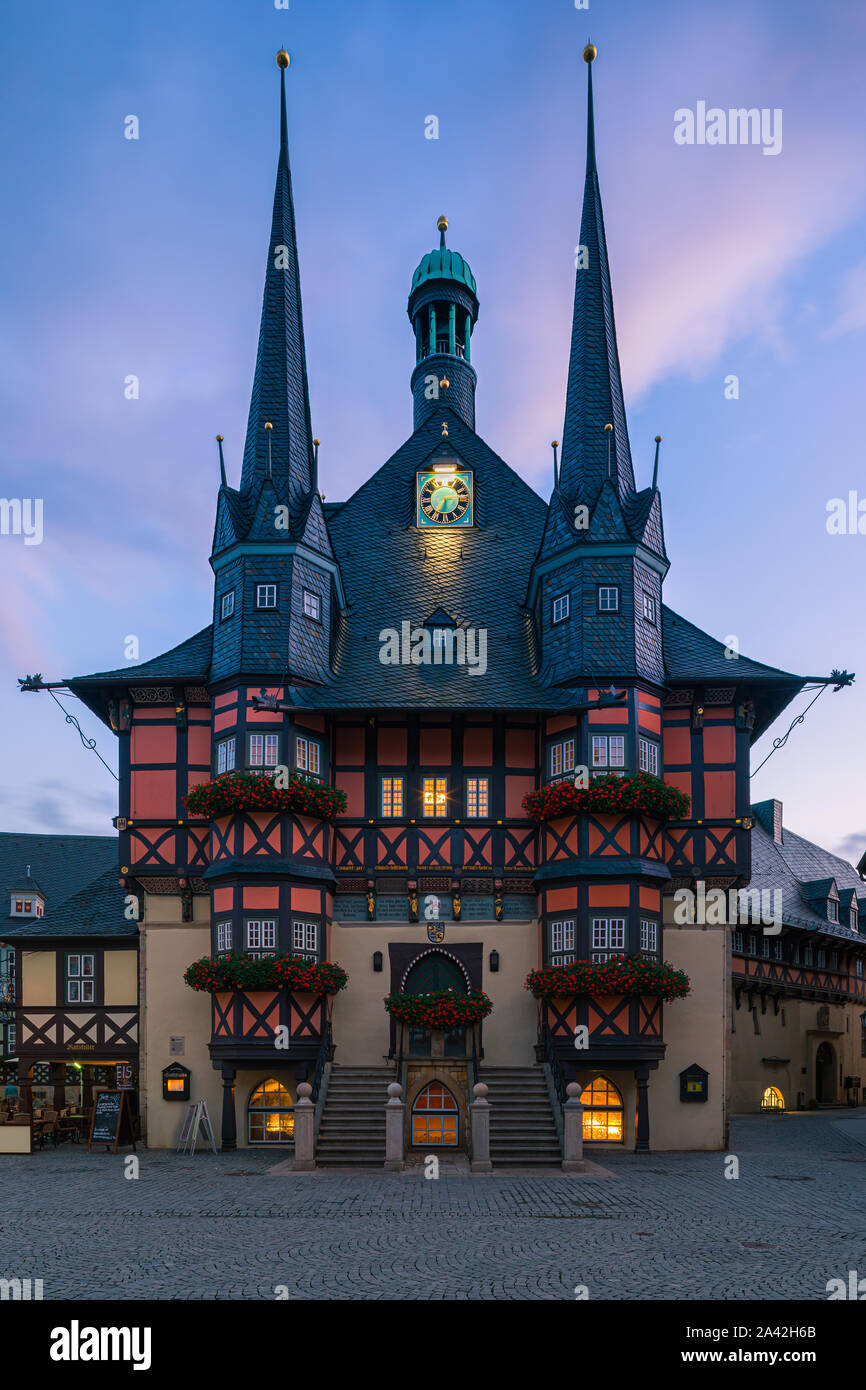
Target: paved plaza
(656,1226)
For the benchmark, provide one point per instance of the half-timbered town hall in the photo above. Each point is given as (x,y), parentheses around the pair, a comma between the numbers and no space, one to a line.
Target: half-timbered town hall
(447,736)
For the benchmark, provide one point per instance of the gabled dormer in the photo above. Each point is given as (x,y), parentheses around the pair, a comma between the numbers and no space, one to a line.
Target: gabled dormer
(822,896)
(26,898)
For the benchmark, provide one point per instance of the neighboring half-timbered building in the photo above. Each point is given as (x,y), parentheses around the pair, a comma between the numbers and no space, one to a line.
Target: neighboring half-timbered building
(438,646)
(72,974)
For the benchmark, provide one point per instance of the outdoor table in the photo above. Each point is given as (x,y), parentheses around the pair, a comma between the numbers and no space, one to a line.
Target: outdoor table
(71,1125)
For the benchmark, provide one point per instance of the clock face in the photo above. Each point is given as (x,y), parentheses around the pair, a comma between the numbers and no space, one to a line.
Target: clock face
(445,497)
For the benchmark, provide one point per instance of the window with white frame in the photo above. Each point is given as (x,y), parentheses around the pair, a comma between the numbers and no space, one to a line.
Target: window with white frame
(608,752)
(560,608)
(442,637)
(822,958)
(608,937)
(312,605)
(737,942)
(224,936)
(264,750)
(11,1035)
(225,751)
(807,955)
(648,756)
(562,942)
(777,948)
(649,937)
(307,758)
(858,966)
(562,758)
(649,608)
(227,604)
(608,598)
(305,938)
(392,796)
(266,596)
(477,797)
(261,935)
(79,979)
(765,947)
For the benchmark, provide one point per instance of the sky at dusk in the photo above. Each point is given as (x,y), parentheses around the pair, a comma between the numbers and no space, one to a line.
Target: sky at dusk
(147,257)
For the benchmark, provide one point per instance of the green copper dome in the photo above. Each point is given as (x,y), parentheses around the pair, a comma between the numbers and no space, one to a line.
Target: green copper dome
(443,264)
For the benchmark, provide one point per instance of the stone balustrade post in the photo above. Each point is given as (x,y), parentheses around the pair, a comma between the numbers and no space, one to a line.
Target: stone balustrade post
(479,1111)
(394,1108)
(572,1121)
(305,1115)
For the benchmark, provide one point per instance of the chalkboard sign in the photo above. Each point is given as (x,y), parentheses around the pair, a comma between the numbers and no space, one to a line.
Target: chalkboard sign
(112,1121)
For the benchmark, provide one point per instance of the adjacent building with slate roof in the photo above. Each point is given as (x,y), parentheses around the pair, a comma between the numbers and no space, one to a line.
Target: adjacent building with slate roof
(69,951)
(437,647)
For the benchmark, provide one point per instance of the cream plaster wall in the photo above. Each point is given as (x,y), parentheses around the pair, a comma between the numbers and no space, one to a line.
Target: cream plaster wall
(121,977)
(39,978)
(360,1023)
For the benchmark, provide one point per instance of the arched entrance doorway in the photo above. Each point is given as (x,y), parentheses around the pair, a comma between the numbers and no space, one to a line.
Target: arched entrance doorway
(429,974)
(825,1074)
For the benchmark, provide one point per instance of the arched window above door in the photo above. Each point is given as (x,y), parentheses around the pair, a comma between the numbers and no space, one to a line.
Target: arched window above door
(435,1118)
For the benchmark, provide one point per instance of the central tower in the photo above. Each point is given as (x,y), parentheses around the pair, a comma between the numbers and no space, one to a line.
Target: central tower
(443,310)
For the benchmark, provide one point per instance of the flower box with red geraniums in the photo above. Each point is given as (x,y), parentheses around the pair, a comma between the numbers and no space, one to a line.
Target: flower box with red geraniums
(222,974)
(260,791)
(641,794)
(443,1009)
(617,975)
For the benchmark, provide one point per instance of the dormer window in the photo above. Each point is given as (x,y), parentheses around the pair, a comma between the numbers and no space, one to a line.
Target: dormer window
(853,919)
(832,910)
(27,902)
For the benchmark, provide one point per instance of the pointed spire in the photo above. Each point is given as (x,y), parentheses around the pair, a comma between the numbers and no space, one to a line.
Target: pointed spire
(223,482)
(594,397)
(280,394)
(658,441)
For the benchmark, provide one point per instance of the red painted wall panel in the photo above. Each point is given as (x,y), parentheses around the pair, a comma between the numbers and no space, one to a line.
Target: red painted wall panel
(478,747)
(392,745)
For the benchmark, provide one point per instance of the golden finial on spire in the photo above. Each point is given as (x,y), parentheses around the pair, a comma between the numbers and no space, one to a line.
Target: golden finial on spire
(658,439)
(268,425)
(444,383)
(283,59)
(590,53)
(442,224)
(444,429)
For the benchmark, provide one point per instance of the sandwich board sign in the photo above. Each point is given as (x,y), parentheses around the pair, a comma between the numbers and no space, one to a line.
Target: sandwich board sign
(196,1122)
(112,1121)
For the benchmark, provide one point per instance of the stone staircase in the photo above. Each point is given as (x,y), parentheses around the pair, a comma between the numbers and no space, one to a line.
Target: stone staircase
(352,1127)
(522,1127)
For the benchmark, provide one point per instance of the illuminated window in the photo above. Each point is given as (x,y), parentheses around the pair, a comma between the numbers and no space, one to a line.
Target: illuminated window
(476,797)
(435,796)
(307,756)
(264,750)
(261,936)
(602,1112)
(224,936)
(312,605)
(608,752)
(305,938)
(434,1116)
(562,942)
(266,596)
(225,756)
(772,1099)
(608,937)
(648,756)
(560,608)
(79,979)
(392,796)
(19,904)
(608,598)
(227,606)
(270,1114)
(562,758)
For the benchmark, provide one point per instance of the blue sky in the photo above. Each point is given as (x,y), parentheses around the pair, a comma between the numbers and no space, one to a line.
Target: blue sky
(147,257)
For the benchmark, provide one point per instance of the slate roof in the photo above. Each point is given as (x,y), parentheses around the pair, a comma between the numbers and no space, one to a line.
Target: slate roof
(798,862)
(78,876)
(594,396)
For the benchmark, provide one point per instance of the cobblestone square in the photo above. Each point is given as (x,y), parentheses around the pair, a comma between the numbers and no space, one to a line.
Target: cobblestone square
(656,1226)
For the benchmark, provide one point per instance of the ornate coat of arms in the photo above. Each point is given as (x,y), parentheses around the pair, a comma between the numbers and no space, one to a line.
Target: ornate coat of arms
(435,932)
